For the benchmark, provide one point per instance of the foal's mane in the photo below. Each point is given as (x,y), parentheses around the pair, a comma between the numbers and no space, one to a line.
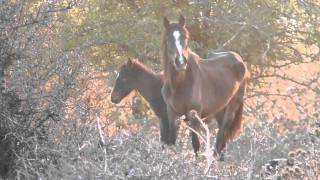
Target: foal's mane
(138,66)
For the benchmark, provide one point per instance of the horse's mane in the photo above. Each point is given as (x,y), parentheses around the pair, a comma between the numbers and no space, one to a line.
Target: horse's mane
(163,47)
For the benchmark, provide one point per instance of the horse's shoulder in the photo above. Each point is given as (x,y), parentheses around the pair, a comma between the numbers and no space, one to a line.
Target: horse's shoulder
(160,76)
(195,62)
(165,92)
(194,58)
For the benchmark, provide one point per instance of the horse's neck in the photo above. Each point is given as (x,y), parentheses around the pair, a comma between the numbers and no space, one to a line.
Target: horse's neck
(177,78)
(180,78)
(145,82)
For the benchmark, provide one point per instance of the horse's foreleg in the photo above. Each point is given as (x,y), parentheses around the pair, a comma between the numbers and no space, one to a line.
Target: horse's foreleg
(164,129)
(195,125)
(171,131)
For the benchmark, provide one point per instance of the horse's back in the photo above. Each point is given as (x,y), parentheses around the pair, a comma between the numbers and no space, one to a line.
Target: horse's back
(216,55)
(225,62)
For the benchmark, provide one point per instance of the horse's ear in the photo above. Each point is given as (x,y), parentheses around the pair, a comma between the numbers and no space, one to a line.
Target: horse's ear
(182,21)
(166,22)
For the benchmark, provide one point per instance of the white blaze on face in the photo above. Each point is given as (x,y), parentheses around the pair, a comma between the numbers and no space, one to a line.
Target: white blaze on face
(176,35)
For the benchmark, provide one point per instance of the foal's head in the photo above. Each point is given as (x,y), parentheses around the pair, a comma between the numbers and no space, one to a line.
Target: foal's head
(176,41)
(125,82)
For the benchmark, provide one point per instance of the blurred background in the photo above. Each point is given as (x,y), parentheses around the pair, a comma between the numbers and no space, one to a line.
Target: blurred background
(58,64)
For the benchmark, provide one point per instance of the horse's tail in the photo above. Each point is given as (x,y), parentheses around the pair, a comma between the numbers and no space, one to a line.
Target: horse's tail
(234,125)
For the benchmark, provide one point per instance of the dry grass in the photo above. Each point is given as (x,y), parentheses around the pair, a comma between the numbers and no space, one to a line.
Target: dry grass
(130,154)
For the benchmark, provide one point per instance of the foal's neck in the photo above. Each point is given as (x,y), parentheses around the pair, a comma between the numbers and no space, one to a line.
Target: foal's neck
(146,80)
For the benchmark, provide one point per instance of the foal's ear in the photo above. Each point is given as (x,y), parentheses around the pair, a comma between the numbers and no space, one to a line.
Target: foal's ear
(182,21)
(166,22)
(129,62)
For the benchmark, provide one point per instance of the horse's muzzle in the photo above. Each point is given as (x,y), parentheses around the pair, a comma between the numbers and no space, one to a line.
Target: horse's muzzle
(180,65)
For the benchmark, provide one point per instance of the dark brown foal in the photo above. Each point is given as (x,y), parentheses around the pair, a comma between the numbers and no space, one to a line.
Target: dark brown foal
(133,75)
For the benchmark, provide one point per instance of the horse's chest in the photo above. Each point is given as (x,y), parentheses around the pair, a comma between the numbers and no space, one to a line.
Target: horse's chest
(183,101)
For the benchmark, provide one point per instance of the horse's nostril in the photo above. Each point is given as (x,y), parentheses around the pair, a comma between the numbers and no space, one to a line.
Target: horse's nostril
(176,61)
(184,59)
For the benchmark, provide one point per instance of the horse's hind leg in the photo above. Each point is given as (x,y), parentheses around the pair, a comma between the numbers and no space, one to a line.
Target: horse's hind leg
(220,144)
(228,127)
(219,117)
(221,139)
(195,124)
(231,122)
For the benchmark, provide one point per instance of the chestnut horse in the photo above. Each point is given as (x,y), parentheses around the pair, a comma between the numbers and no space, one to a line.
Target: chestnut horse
(133,75)
(204,86)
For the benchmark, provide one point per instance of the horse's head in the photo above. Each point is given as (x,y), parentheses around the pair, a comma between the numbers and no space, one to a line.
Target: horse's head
(176,41)
(125,82)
